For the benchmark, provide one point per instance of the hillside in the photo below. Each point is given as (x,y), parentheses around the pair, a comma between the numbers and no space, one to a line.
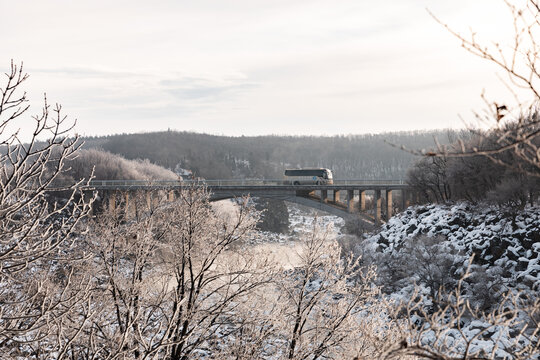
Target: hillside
(211,156)
(433,245)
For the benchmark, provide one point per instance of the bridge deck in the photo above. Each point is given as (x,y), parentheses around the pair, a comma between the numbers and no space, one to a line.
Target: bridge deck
(246,185)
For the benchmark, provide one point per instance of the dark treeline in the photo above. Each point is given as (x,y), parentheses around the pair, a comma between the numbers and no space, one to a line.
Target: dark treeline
(223,157)
(486,170)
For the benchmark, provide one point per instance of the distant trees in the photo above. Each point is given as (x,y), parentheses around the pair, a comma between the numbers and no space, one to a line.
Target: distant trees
(213,157)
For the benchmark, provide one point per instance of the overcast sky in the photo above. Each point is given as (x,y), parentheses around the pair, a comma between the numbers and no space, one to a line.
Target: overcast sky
(253,66)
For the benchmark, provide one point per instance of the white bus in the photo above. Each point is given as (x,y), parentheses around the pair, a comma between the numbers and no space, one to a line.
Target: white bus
(308,177)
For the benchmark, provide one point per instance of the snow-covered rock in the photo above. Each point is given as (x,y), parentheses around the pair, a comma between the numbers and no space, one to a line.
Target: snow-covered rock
(507,243)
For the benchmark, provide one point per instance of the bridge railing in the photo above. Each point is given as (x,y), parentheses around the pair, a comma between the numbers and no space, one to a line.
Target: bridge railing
(369,182)
(165,183)
(229,182)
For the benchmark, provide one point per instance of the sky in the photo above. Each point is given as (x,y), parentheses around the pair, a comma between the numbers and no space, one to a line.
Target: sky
(254,67)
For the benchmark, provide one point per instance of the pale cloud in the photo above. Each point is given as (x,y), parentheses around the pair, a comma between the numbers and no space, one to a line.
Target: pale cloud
(190,88)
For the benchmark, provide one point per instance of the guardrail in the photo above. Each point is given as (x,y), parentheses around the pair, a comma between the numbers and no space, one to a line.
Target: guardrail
(369,182)
(237,182)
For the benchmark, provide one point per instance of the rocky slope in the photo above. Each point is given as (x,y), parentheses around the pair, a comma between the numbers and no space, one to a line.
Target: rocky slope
(428,248)
(504,243)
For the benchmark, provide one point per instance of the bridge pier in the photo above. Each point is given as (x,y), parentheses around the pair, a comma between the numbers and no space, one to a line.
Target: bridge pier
(378,205)
(87,196)
(405,202)
(111,200)
(389,205)
(416,197)
(350,201)
(131,202)
(362,200)
(324,196)
(337,197)
(149,199)
(128,203)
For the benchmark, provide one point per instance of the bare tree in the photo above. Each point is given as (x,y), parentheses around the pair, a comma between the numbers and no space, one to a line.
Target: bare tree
(429,177)
(515,128)
(172,279)
(474,178)
(212,273)
(327,305)
(38,286)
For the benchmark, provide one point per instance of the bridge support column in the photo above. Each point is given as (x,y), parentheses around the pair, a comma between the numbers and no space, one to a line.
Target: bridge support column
(337,197)
(350,201)
(126,197)
(324,196)
(149,200)
(378,205)
(389,207)
(362,200)
(405,202)
(111,200)
(88,195)
(416,198)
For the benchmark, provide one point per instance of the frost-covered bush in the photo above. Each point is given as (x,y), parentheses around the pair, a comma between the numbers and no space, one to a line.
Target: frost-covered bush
(429,261)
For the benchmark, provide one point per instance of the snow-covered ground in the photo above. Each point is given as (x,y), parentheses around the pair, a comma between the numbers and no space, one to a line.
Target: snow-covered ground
(302,220)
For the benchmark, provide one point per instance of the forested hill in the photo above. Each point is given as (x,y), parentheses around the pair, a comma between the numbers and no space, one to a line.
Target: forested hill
(223,157)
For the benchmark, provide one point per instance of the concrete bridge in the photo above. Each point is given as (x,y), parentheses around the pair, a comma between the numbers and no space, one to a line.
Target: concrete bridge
(371,200)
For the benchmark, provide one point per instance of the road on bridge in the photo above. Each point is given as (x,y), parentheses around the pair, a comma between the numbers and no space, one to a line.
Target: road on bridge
(243,183)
